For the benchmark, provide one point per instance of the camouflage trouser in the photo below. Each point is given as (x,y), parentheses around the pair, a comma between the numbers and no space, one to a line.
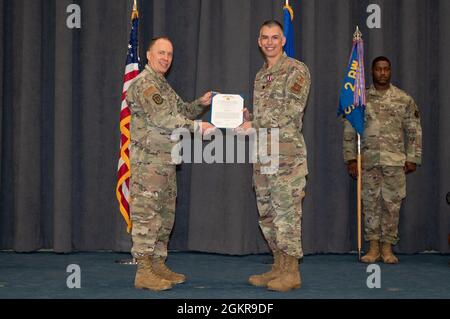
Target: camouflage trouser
(383,189)
(153,192)
(279,198)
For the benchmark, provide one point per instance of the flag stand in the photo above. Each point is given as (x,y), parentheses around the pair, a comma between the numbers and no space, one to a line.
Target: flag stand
(131,261)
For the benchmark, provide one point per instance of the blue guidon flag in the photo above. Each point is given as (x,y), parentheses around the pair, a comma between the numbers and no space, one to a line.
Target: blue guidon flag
(352,99)
(288,14)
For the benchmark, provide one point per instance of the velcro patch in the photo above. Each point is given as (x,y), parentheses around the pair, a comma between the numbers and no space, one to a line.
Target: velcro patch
(297,87)
(157,98)
(150,91)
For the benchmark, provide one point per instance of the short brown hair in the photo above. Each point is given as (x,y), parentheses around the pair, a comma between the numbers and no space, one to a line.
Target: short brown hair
(272,23)
(153,41)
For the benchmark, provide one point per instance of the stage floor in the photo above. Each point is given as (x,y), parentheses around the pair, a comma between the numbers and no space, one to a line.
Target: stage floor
(43,275)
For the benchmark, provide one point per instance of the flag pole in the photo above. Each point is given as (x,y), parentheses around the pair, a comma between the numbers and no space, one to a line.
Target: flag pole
(132,261)
(358,197)
(357,36)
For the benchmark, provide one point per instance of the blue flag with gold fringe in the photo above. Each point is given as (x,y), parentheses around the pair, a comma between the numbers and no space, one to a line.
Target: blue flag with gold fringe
(288,30)
(352,100)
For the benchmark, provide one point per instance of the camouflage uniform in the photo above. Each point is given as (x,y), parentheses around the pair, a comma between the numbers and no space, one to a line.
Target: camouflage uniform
(156,110)
(392,136)
(280,95)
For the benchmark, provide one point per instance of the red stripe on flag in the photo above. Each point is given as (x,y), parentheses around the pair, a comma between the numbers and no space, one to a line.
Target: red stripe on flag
(130,76)
(125,112)
(123,172)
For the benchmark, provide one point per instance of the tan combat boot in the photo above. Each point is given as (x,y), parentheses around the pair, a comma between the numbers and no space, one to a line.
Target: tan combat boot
(160,268)
(263,279)
(373,255)
(289,277)
(387,255)
(147,279)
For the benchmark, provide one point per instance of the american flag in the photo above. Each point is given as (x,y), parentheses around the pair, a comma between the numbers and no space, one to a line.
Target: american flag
(123,172)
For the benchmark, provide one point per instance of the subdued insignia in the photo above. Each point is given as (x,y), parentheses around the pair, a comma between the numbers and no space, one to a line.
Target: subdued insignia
(297,87)
(416,114)
(150,91)
(157,98)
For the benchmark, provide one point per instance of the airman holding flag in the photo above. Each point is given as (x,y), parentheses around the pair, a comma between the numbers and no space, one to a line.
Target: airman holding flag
(391,148)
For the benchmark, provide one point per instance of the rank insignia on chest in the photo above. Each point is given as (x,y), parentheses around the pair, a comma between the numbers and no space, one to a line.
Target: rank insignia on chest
(297,87)
(270,78)
(157,98)
(150,91)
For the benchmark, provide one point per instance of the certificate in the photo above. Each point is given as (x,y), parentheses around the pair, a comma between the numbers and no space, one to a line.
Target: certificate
(227,110)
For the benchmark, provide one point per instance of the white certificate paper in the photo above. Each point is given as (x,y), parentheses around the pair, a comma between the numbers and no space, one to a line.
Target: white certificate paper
(226,110)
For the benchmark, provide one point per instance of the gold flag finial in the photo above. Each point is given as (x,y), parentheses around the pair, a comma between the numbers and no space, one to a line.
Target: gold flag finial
(135,13)
(291,11)
(357,35)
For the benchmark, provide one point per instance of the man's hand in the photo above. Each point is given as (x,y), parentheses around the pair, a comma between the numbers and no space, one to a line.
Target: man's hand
(247,115)
(206,128)
(245,128)
(352,167)
(205,100)
(409,167)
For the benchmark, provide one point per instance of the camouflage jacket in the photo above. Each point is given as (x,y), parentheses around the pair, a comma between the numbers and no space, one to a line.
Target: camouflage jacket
(279,98)
(156,110)
(392,130)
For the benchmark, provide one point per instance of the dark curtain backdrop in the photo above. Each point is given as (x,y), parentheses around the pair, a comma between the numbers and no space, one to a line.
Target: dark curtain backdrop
(60,101)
